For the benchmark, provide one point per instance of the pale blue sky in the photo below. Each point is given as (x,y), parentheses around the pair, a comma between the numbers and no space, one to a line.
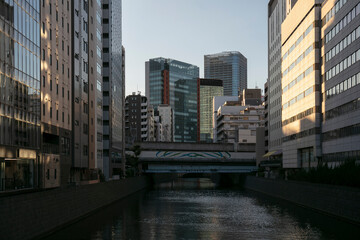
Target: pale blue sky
(186,30)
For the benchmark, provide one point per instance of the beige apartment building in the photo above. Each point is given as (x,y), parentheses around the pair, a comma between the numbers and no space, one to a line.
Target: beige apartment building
(87,91)
(56,88)
(301,81)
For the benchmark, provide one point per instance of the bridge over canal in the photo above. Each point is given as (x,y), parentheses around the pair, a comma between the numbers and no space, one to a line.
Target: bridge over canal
(197,158)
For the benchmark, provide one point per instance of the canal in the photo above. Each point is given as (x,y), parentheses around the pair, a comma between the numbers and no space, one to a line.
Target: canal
(205,214)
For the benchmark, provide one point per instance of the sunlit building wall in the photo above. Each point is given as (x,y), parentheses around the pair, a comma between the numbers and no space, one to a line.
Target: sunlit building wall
(341,80)
(209,88)
(301,82)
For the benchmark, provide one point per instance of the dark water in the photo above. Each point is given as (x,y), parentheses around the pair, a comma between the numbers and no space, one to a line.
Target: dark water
(206,214)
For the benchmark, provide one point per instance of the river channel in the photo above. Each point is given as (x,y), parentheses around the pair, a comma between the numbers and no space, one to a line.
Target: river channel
(205,214)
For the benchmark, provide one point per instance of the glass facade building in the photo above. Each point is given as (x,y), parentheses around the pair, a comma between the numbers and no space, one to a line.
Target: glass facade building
(186,111)
(161,83)
(231,67)
(209,88)
(19,93)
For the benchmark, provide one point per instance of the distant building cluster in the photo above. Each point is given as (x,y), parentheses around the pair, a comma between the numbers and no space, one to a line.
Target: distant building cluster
(181,103)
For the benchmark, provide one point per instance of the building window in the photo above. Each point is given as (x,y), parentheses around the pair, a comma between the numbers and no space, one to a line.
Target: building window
(85,128)
(85,150)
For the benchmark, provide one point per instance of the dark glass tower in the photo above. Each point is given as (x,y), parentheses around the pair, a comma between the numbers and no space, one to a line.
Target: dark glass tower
(162,76)
(186,113)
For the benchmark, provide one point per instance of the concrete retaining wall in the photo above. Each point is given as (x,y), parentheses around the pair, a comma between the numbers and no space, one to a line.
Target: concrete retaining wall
(339,201)
(29,215)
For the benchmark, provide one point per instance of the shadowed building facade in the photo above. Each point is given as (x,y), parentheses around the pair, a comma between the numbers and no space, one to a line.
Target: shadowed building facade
(340,80)
(113,89)
(276,15)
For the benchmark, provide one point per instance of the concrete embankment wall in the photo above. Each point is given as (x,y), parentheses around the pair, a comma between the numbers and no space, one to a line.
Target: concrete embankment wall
(338,201)
(31,215)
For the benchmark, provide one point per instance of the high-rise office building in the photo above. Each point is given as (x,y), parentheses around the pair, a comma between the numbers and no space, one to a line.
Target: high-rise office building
(20,94)
(276,15)
(86,94)
(231,67)
(165,79)
(209,88)
(113,89)
(341,80)
(301,85)
(56,90)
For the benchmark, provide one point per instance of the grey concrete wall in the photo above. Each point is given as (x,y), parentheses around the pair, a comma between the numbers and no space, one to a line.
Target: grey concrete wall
(30,215)
(339,201)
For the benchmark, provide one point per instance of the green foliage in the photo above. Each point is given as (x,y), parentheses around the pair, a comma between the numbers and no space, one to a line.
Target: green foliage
(132,162)
(346,174)
(101,176)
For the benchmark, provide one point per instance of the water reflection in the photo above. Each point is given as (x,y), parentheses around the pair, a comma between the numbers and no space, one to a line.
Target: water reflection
(206,214)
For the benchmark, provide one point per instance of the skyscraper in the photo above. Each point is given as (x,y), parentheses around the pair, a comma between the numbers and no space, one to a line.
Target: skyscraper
(20,94)
(231,67)
(56,90)
(86,87)
(301,85)
(209,88)
(113,89)
(164,81)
